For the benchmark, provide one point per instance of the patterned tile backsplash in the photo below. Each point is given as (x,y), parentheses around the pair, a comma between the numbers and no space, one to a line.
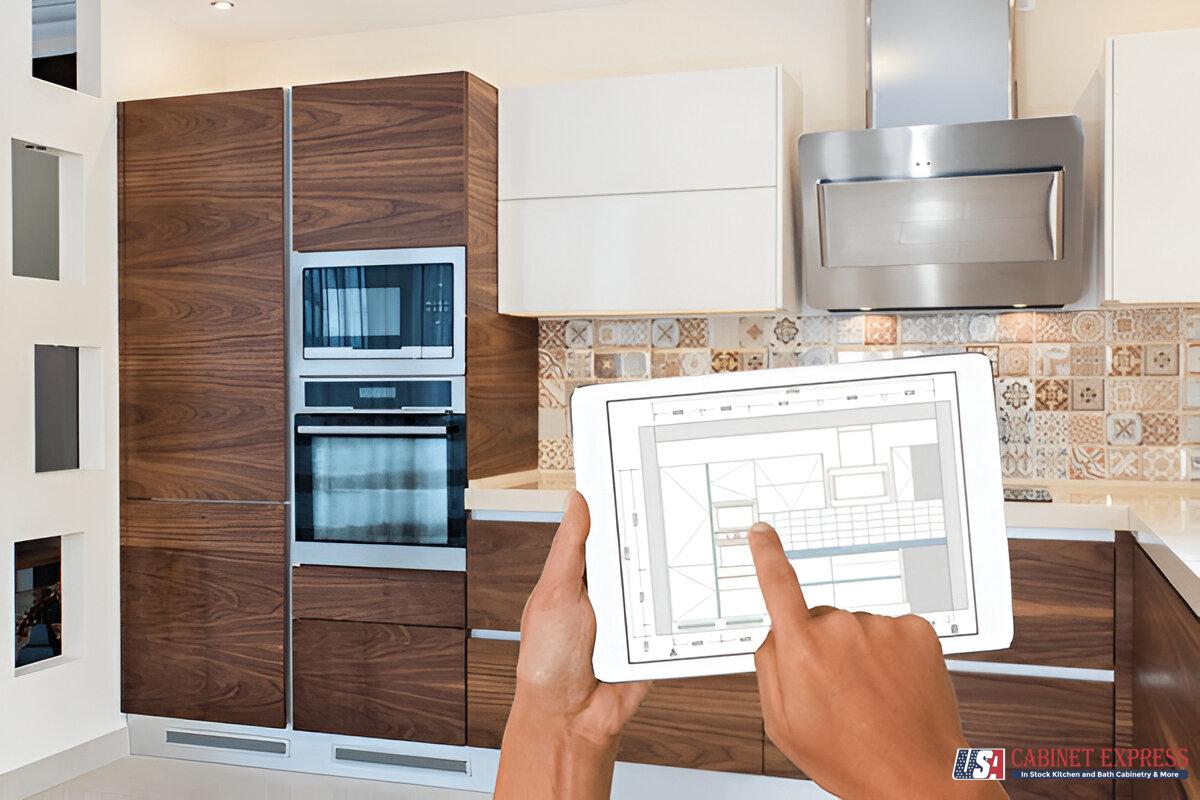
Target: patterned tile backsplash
(1084,394)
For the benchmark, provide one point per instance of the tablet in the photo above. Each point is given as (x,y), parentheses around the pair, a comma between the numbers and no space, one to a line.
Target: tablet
(882,479)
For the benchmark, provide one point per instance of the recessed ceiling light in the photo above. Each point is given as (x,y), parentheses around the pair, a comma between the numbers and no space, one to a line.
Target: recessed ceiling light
(221,5)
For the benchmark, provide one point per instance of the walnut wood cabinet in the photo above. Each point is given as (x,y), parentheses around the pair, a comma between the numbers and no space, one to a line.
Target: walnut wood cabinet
(202,407)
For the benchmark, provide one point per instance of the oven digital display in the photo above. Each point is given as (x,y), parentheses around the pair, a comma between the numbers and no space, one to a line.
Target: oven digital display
(377,392)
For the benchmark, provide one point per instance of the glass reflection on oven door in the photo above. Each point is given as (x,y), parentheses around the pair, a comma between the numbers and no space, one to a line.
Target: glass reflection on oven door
(366,479)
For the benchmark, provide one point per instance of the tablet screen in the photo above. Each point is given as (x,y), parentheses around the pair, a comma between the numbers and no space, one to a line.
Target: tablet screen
(862,479)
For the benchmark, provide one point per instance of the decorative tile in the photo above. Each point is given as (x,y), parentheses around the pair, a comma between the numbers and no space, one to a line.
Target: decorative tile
(1051,463)
(552,393)
(880,329)
(725,361)
(1015,427)
(1122,394)
(623,333)
(607,366)
(666,364)
(579,365)
(939,329)
(814,356)
(696,362)
(1052,327)
(1052,427)
(1121,325)
(555,454)
(1157,324)
(664,333)
(1014,359)
(551,363)
(1193,358)
(1160,464)
(579,334)
(1087,360)
(1087,429)
(914,330)
(1124,429)
(991,351)
(1162,359)
(1052,395)
(693,332)
(777,358)
(933,350)
(1158,394)
(1125,360)
(634,364)
(1124,464)
(815,330)
(850,330)
(1016,327)
(1016,460)
(1087,394)
(1191,323)
(552,423)
(1086,463)
(723,332)
(784,332)
(1052,360)
(753,360)
(552,333)
(1160,430)
(753,331)
(1189,428)
(1191,392)
(1087,326)
(981,328)
(854,355)
(1014,394)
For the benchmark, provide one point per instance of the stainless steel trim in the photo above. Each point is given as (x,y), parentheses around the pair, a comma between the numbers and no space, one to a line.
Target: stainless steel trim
(361,755)
(1031,670)
(225,741)
(458,391)
(368,430)
(392,556)
(350,352)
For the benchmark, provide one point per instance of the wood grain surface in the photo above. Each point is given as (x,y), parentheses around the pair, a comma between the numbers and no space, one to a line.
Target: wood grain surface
(201,297)
(358,594)
(202,611)
(383,681)
(504,562)
(379,163)
(1166,683)
(1062,604)
(1123,650)
(501,350)
(700,723)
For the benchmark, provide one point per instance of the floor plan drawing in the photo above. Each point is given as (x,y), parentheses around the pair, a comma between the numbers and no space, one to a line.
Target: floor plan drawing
(861,481)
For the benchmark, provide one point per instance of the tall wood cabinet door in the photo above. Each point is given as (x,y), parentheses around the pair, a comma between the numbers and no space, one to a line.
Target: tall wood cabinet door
(202,611)
(380,163)
(201,295)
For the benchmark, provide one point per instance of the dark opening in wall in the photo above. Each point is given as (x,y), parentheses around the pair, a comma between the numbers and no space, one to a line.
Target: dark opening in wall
(37,599)
(55,407)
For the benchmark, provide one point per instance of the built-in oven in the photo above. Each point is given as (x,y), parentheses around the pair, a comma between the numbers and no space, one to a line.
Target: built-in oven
(379,472)
(378,312)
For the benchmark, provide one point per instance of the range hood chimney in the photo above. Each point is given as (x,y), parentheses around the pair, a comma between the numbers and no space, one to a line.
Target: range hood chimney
(945,200)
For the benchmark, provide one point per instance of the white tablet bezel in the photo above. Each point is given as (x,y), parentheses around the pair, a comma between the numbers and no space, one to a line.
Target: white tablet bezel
(982,483)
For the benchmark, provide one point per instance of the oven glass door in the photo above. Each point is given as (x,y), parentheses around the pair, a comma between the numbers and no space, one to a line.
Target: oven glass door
(383,311)
(381,479)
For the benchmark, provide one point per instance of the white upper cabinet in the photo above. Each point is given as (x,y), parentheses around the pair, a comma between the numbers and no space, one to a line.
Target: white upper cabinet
(650,194)
(1152,168)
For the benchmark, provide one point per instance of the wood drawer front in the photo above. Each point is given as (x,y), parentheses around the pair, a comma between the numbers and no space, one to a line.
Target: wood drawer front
(432,598)
(504,562)
(701,723)
(1063,604)
(202,611)
(380,163)
(382,681)
(1010,711)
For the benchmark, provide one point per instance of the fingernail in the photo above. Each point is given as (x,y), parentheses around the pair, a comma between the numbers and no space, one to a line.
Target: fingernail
(761,528)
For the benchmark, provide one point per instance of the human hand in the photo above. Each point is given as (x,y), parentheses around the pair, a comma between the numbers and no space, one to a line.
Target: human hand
(562,732)
(837,685)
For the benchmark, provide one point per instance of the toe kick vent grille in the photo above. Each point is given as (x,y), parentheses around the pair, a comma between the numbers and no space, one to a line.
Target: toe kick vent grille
(360,756)
(216,741)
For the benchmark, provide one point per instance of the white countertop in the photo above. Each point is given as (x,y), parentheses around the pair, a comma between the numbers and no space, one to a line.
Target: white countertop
(1164,516)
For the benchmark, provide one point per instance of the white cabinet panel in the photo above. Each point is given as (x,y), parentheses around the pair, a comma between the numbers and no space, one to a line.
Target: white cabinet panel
(641,254)
(686,131)
(1153,168)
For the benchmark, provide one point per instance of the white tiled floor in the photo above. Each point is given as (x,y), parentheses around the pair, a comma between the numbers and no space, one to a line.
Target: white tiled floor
(141,778)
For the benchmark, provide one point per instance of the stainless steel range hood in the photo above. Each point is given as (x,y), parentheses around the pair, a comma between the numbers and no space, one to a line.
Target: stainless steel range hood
(974,210)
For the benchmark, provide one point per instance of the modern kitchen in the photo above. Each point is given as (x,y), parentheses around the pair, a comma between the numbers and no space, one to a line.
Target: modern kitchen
(297,298)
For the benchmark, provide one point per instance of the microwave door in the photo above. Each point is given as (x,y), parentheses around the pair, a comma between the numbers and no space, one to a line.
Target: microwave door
(366,312)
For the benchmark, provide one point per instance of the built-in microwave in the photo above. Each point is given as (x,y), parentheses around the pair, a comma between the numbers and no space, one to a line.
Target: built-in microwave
(378,312)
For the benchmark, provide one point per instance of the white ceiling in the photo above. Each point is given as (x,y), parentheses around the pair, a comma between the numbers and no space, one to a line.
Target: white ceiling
(267,20)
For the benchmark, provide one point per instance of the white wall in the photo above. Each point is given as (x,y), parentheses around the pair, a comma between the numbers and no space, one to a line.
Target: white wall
(54,709)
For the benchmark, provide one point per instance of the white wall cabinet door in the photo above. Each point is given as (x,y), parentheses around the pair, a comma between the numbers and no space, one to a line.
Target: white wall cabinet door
(1152,168)
(648,194)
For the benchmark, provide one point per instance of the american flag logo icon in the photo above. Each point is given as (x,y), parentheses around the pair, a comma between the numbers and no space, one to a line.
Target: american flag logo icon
(979,764)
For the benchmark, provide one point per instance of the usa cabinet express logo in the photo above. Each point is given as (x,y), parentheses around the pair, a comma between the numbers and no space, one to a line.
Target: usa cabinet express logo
(1071,763)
